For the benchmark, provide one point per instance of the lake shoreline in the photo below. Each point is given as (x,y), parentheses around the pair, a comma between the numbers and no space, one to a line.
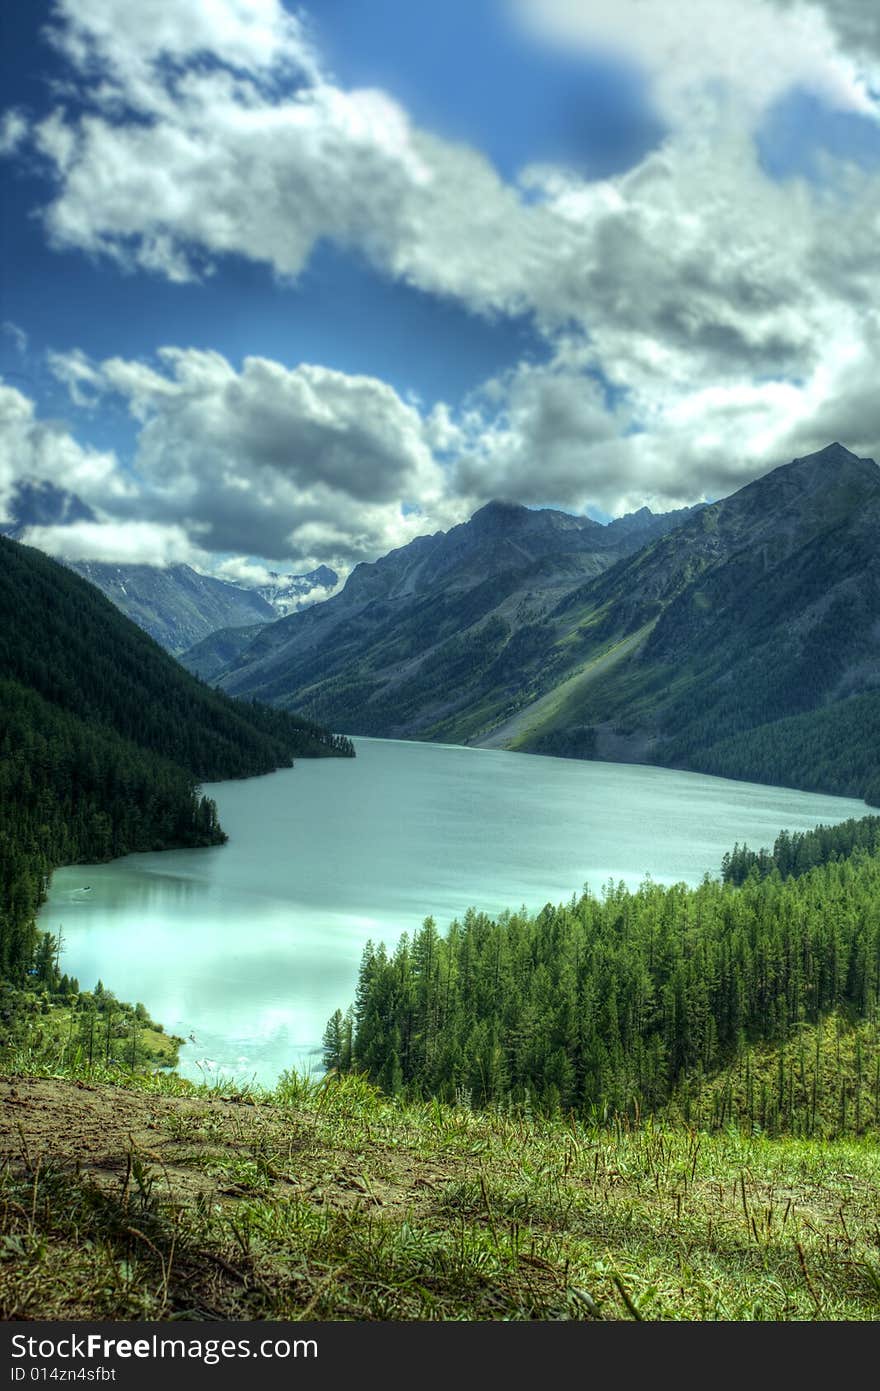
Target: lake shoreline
(252,945)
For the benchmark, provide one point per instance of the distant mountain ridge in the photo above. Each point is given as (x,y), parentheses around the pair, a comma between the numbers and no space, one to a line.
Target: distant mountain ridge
(285,593)
(179,606)
(175,604)
(741,638)
(418,639)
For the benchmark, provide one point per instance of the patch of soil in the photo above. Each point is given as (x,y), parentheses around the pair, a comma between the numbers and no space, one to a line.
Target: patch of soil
(199,1144)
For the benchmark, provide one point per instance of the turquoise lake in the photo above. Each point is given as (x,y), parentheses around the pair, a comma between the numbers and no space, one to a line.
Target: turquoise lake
(249,947)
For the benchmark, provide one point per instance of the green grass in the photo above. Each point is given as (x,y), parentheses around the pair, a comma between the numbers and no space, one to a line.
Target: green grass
(822,1082)
(564,707)
(330,1201)
(83,1030)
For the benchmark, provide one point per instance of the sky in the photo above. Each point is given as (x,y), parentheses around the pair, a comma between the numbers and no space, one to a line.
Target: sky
(289,285)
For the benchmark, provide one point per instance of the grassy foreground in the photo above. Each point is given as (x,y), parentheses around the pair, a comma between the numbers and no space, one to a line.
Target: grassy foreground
(146,1197)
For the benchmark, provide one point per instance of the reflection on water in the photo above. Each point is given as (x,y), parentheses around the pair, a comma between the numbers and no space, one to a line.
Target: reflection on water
(249,947)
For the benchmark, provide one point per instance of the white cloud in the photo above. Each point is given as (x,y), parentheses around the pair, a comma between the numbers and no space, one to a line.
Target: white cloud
(683,254)
(733,317)
(171,166)
(700,52)
(16,335)
(534,443)
(856,24)
(14,129)
(45,450)
(219,174)
(542,434)
(117,543)
(240,569)
(252,575)
(77,374)
(126,43)
(696,264)
(303,464)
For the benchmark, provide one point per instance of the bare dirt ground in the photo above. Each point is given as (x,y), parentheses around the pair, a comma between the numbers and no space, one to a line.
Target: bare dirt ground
(197,1143)
(336,1203)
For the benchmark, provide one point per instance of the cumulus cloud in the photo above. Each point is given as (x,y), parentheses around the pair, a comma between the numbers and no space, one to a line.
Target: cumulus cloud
(855,23)
(701,51)
(696,266)
(117,543)
(124,44)
(547,433)
(243,570)
(174,166)
(219,174)
(36,450)
(702,319)
(170,164)
(533,441)
(298,467)
(303,465)
(46,450)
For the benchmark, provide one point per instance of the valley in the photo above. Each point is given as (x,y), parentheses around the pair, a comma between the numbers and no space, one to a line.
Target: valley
(691,640)
(439,685)
(583,977)
(324,857)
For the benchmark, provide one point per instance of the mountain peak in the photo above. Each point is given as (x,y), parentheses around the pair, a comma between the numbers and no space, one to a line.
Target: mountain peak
(497,514)
(836,449)
(829,468)
(500,518)
(38,502)
(835,453)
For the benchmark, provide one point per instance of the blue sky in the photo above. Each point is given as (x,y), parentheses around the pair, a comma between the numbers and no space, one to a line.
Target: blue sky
(290,287)
(539,105)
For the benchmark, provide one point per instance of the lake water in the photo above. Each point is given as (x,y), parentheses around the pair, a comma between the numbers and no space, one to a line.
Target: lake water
(251,946)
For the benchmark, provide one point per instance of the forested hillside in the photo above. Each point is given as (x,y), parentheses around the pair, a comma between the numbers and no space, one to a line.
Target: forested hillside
(103,739)
(626,1002)
(175,604)
(793,855)
(61,638)
(835,748)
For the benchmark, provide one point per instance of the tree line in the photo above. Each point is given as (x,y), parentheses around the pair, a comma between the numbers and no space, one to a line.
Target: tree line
(795,853)
(104,739)
(613,1001)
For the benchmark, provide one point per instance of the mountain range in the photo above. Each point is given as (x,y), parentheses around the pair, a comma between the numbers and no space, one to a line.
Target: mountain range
(740,637)
(286,593)
(176,605)
(418,642)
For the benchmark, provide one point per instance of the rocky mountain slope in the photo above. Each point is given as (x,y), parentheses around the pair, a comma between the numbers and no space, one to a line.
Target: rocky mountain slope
(436,639)
(177,606)
(753,638)
(741,638)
